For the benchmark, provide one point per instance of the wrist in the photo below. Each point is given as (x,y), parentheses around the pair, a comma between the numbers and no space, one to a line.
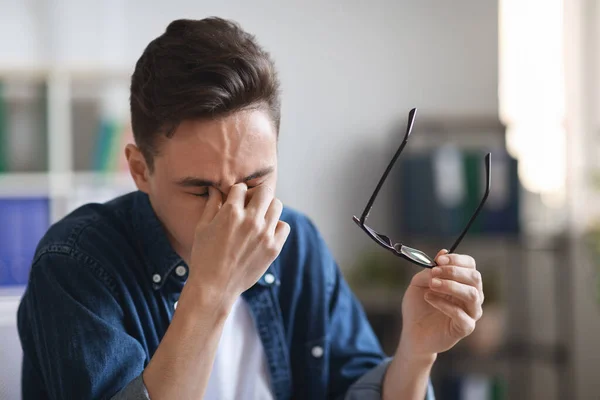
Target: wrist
(406,353)
(408,374)
(207,299)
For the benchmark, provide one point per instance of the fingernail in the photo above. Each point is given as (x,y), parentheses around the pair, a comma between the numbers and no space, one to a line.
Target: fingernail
(436,282)
(436,271)
(442,260)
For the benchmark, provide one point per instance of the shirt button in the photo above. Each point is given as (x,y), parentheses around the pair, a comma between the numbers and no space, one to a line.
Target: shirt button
(269,278)
(156,278)
(180,270)
(175,305)
(317,352)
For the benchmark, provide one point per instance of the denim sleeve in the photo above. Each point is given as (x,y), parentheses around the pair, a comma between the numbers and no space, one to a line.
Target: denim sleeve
(369,386)
(75,344)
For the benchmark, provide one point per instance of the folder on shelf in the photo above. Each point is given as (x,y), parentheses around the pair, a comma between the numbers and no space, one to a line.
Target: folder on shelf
(23,222)
(439,190)
(432,195)
(104,139)
(501,213)
(450,190)
(112,128)
(418,211)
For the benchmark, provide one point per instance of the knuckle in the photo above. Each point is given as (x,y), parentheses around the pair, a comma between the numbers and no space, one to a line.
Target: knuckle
(266,237)
(236,214)
(229,208)
(478,313)
(252,224)
(451,272)
(272,249)
(473,294)
(469,326)
(466,326)
(477,277)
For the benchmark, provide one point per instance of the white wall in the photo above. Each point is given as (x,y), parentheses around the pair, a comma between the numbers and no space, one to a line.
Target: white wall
(350,72)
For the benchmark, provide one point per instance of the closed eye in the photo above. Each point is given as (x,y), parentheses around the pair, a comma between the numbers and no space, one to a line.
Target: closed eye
(205,193)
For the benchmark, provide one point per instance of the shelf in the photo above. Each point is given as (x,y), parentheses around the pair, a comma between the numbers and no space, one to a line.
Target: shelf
(24,73)
(24,184)
(61,184)
(10,298)
(121,179)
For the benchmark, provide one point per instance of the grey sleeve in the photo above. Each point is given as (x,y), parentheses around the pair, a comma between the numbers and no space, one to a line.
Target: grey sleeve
(368,387)
(135,390)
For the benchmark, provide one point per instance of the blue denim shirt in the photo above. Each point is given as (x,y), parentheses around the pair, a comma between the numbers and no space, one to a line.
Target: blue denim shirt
(101,295)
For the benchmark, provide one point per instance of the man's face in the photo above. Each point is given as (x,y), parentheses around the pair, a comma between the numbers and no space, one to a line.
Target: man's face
(219,153)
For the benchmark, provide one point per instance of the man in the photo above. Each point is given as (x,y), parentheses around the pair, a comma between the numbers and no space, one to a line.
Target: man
(201,285)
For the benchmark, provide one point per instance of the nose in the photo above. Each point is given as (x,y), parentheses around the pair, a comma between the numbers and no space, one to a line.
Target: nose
(224,191)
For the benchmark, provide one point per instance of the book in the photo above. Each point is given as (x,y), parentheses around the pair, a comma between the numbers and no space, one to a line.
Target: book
(23,222)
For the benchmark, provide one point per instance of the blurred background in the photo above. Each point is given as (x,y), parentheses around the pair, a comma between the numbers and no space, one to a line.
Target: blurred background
(519,78)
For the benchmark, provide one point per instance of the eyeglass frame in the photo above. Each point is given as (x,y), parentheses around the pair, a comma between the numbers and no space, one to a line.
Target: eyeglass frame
(400,249)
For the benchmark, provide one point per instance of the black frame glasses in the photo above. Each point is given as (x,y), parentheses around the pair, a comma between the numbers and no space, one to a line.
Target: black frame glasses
(408,253)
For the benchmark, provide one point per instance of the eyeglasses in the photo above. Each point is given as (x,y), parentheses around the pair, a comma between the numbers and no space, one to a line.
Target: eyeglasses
(413,255)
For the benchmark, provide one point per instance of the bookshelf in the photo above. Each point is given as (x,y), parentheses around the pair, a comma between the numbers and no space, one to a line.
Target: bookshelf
(525,333)
(62,131)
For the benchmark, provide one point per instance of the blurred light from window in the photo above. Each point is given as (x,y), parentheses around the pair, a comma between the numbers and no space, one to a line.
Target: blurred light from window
(532,93)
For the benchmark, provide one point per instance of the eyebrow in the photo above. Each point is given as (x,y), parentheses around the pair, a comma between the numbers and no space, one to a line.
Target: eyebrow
(191,181)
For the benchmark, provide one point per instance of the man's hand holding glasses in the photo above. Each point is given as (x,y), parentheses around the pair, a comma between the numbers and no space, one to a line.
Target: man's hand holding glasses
(442,303)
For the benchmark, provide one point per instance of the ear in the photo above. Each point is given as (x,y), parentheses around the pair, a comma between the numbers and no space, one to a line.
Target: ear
(138,168)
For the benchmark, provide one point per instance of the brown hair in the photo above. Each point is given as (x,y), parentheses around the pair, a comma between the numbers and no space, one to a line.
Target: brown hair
(199,69)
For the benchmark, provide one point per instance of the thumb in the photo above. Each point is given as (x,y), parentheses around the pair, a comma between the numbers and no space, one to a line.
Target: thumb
(215,200)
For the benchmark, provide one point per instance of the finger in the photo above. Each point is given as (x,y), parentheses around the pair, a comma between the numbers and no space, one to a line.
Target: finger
(441,253)
(464,275)
(467,294)
(282,231)
(237,195)
(212,207)
(462,323)
(456,259)
(261,199)
(422,279)
(273,215)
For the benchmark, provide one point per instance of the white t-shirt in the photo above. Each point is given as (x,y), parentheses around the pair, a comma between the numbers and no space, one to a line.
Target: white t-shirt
(240,369)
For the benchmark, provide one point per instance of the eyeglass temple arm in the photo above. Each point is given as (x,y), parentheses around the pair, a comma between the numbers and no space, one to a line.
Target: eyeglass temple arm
(367,210)
(488,174)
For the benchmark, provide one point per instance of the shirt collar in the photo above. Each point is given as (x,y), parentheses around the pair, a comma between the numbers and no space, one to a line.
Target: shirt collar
(160,258)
